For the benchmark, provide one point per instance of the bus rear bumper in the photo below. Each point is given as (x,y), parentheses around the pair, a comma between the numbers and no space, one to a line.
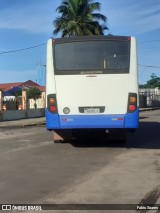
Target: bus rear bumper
(127,121)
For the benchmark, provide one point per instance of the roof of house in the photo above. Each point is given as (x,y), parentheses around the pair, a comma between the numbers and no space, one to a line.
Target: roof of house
(41,88)
(29,83)
(8,86)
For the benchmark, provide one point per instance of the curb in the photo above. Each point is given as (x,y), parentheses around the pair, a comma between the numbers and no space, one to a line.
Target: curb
(148,109)
(22,125)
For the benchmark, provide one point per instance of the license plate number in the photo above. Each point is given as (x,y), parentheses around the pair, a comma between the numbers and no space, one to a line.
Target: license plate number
(91,110)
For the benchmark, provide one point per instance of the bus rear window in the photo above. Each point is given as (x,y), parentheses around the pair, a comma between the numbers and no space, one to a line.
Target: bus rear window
(103,56)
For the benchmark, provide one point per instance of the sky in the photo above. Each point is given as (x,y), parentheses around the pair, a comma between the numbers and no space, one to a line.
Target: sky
(29,23)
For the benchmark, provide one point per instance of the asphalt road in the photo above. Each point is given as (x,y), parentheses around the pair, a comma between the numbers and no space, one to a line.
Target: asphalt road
(35,170)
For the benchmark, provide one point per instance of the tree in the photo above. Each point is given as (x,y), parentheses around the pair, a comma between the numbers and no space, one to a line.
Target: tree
(18,93)
(152,83)
(79,17)
(33,93)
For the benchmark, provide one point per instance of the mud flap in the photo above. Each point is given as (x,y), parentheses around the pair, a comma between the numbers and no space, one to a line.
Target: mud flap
(62,135)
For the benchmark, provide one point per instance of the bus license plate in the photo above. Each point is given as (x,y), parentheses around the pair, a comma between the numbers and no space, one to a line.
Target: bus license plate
(92,110)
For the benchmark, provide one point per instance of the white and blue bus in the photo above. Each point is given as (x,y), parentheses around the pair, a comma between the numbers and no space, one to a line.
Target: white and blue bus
(91,83)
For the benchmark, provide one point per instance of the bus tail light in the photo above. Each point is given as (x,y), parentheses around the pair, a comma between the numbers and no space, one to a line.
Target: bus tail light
(132,108)
(52,103)
(132,102)
(52,109)
(51,100)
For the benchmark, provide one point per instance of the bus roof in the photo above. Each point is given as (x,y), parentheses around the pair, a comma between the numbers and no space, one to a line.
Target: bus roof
(95,37)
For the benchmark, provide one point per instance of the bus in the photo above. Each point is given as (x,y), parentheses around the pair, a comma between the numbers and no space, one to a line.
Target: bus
(92,84)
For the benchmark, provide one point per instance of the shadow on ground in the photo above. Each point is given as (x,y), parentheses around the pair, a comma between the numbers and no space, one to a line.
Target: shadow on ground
(147,136)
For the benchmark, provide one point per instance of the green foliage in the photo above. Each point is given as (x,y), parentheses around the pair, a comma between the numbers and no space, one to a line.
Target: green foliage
(18,93)
(79,17)
(33,93)
(152,83)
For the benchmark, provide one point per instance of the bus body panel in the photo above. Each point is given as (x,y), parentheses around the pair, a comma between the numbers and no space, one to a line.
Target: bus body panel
(110,91)
(50,77)
(133,69)
(74,91)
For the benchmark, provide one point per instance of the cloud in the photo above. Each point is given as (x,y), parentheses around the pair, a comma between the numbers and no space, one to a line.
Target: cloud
(34,16)
(133,17)
(124,16)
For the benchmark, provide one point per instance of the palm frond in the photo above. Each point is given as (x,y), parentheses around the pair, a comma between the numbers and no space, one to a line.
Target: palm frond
(62,9)
(95,6)
(99,16)
(79,17)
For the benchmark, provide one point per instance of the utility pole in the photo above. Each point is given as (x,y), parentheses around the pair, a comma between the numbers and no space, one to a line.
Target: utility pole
(1,97)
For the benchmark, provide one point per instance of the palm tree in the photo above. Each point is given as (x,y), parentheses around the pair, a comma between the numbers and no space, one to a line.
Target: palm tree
(79,17)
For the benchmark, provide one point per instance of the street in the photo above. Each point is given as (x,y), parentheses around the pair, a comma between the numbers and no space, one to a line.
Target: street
(35,170)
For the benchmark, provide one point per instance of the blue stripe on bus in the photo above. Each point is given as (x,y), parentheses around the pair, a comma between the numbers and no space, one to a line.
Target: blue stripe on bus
(55,121)
(52,120)
(91,121)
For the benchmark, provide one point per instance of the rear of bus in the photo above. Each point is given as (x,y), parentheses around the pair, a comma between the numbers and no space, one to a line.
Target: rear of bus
(91,83)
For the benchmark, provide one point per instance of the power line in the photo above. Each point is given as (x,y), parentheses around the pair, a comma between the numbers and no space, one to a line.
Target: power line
(23,49)
(149,66)
(149,41)
(27,48)
(36,46)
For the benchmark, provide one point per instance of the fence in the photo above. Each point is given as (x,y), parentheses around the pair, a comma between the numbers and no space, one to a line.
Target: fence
(11,104)
(21,102)
(16,103)
(39,103)
(149,98)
